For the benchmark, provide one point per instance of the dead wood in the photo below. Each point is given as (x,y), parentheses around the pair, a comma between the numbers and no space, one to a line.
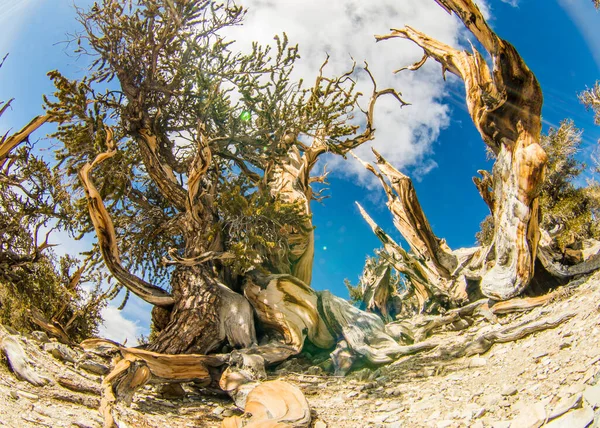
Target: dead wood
(83,400)
(75,385)
(18,359)
(54,329)
(482,343)
(7,144)
(505,105)
(423,281)
(273,404)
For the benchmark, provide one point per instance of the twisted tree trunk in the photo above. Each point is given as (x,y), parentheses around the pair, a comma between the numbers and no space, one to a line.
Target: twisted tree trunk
(204,315)
(505,105)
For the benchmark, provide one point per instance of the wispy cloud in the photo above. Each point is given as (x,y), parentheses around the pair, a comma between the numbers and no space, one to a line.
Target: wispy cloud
(13,14)
(513,3)
(585,17)
(118,328)
(344,28)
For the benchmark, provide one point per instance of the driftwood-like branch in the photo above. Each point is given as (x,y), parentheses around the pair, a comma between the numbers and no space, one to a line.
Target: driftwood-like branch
(18,359)
(484,342)
(411,222)
(505,105)
(7,144)
(273,404)
(107,238)
(53,328)
(550,260)
(426,283)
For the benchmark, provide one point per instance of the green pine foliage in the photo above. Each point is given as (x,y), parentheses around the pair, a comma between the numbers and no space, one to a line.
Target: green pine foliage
(572,210)
(165,66)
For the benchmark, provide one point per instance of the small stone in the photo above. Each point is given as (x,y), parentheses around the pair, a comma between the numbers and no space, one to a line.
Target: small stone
(492,399)
(393,392)
(501,424)
(352,394)
(539,354)
(218,410)
(509,390)
(94,367)
(426,403)
(531,416)
(477,362)
(362,396)
(578,418)
(592,395)
(23,394)
(387,407)
(504,403)
(314,370)
(60,351)
(565,404)
(477,413)
(227,412)
(40,336)
(320,424)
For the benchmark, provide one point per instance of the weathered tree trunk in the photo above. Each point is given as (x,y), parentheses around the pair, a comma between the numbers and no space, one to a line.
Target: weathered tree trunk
(505,105)
(290,181)
(204,315)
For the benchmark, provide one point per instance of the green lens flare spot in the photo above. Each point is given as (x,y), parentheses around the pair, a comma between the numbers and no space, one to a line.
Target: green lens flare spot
(245,116)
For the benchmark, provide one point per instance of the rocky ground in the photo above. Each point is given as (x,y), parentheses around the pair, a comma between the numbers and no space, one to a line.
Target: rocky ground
(550,377)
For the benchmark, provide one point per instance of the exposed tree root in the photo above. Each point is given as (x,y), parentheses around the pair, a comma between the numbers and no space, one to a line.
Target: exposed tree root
(484,342)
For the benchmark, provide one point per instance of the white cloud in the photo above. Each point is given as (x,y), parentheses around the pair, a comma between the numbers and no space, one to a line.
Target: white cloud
(585,17)
(118,328)
(513,3)
(346,27)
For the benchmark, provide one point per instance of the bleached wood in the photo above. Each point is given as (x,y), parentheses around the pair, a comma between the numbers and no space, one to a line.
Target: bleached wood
(505,105)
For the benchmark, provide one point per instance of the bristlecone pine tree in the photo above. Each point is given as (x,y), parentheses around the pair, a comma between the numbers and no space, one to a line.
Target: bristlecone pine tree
(196,165)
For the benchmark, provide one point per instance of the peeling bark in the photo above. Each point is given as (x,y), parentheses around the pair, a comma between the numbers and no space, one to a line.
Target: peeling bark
(505,105)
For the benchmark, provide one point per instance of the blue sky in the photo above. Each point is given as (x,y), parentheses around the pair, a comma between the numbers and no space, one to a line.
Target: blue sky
(433,141)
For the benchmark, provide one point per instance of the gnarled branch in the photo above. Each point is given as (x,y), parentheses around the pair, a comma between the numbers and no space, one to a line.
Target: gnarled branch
(505,105)
(107,239)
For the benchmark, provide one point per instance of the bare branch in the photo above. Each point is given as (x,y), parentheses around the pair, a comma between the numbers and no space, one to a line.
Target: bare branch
(107,238)
(9,143)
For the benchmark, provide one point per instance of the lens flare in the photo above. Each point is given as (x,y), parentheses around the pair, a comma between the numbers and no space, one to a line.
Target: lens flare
(245,116)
